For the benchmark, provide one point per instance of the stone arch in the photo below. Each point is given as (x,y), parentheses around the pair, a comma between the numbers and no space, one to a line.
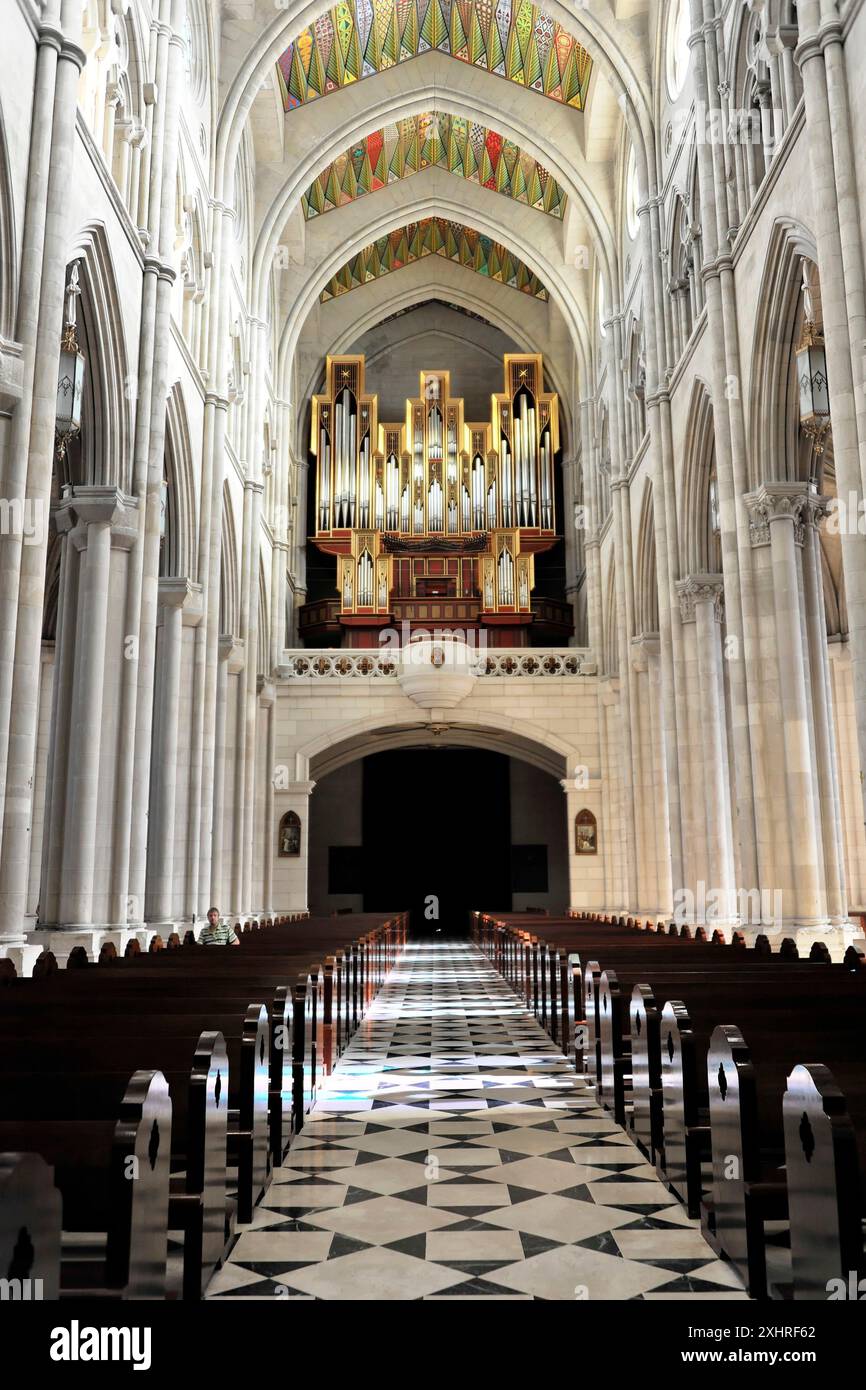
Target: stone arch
(775,447)
(646,576)
(179,544)
(229,595)
(697,553)
(102,456)
(263,629)
(610,636)
(343,743)
(428,204)
(8,243)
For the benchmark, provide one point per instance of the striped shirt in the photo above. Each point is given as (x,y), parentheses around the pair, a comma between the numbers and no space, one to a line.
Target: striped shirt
(220,935)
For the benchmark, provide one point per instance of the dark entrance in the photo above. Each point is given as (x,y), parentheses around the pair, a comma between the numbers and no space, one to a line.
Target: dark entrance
(436,824)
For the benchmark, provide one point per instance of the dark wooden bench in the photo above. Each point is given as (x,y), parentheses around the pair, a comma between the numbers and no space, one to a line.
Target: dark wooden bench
(747,1065)
(112,1172)
(31,1224)
(824,1119)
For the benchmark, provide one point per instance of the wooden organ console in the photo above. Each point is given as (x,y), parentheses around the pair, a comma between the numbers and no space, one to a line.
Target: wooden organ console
(434,520)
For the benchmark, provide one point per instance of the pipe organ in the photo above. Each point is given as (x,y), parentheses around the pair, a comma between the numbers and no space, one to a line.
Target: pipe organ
(435,506)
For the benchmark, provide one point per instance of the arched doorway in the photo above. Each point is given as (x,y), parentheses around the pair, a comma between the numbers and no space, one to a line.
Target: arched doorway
(439,830)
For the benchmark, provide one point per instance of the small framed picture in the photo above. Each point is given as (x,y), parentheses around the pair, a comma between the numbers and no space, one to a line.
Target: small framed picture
(290,836)
(585,833)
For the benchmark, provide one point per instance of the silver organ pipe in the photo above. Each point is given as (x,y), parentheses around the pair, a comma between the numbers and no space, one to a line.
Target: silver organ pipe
(365,580)
(531,458)
(364,482)
(404,508)
(380,506)
(546,489)
(506,577)
(478,493)
(434,433)
(324,480)
(434,504)
(350,463)
(467,508)
(491,505)
(505,477)
(451,473)
(419,454)
(338,464)
(452,517)
(520,445)
(392,492)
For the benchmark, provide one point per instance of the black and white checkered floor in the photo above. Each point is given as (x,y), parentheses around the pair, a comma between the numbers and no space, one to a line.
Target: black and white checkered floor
(455,1153)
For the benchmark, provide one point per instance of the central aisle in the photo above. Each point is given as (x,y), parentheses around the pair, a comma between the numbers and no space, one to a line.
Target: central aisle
(455,1153)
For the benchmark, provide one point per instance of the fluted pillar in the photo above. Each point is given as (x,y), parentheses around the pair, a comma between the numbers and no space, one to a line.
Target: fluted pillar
(776,510)
(701,605)
(31,456)
(102,518)
(174,596)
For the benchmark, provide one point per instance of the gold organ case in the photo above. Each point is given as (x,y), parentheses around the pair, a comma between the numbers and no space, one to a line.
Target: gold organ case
(433,512)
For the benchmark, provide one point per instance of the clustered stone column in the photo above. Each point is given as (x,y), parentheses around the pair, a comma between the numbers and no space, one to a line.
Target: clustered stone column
(801,761)
(701,609)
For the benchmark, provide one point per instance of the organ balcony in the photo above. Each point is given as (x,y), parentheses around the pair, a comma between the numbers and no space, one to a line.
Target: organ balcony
(435,519)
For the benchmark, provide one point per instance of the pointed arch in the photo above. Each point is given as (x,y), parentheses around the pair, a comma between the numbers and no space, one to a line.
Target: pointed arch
(263,642)
(103,454)
(646,577)
(610,638)
(228,568)
(8,243)
(696,539)
(775,447)
(180,544)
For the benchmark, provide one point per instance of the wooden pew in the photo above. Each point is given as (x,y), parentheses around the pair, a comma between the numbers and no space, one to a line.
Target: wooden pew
(31,1222)
(824,1119)
(746,1081)
(128,1011)
(112,1171)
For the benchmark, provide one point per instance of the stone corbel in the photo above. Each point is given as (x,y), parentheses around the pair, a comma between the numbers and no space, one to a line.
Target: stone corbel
(644,651)
(608,689)
(232,650)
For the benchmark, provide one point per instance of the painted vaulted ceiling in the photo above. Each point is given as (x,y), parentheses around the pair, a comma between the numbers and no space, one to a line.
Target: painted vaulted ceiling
(434,236)
(513,39)
(463,147)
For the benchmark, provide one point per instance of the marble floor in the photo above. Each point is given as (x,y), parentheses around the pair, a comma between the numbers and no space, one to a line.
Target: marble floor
(456,1154)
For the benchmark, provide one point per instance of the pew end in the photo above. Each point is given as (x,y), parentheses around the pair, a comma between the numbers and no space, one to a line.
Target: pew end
(30,1226)
(748,1187)
(824,1197)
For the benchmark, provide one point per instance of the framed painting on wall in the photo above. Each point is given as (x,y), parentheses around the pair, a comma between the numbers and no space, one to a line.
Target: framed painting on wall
(585,833)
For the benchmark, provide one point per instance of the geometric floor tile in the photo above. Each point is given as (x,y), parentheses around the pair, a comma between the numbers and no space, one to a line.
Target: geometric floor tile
(455,1154)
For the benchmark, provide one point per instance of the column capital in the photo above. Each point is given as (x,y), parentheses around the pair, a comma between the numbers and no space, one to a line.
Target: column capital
(81,507)
(701,588)
(797,502)
(174,592)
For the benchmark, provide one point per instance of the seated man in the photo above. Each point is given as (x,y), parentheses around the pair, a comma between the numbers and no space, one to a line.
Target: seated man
(217,933)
